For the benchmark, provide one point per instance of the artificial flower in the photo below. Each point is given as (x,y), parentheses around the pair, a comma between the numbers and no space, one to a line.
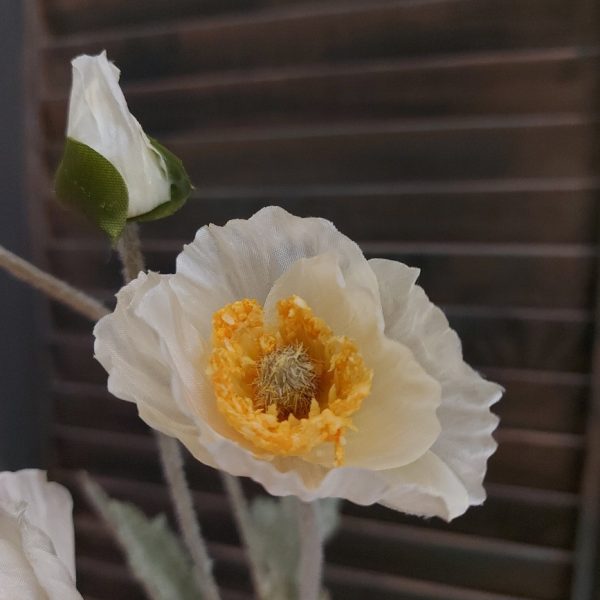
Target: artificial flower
(111,170)
(278,352)
(37,556)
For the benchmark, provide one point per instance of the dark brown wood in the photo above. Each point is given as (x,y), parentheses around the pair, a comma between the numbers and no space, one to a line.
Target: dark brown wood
(553,80)
(550,211)
(586,577)
(384,152)
(317,32)
(481,275)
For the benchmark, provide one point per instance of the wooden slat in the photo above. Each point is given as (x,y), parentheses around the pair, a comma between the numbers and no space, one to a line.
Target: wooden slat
(384,152)
(472,565)
(328,31)
(480,275)
(553,80)
(553,211)
(539,521)
(548,406)
(65,16)
(350,584)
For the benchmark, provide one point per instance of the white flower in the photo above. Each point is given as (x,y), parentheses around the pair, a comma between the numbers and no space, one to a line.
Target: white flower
(37,557)
(278,352)
(110,169)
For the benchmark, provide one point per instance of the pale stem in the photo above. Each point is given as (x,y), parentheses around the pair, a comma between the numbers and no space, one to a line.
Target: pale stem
(310,569)
(51,286)
(247,532)
(171,458)
(172,464)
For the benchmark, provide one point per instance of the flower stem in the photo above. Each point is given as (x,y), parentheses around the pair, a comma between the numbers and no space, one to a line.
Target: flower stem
(247,532)
(51,286)
(132,260)
(172,464)
(310,569)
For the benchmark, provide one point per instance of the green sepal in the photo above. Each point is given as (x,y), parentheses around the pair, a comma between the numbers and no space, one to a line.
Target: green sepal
(180,186)
(88,182)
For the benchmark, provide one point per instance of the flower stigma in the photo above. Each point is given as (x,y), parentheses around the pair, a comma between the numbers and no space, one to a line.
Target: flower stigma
(286,378)
(287,387)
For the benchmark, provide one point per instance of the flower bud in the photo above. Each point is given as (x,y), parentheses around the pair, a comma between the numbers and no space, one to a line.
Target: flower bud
(111,170)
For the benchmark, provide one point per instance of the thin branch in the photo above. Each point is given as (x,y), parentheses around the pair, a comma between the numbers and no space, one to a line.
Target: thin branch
(172,464)
(171,458)
(129,248)
(310,570)
(247,531)
(51,286)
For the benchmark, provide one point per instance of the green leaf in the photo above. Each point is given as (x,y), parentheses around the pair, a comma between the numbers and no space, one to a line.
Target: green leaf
(154,553)
(88,182)
(276,523)
(180,186)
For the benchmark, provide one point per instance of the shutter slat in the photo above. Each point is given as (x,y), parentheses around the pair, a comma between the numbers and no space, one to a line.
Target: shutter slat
(480,275)
(320,32)
(449,213)
(555,80)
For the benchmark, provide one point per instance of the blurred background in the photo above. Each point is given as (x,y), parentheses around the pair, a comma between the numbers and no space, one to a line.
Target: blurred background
(458,136)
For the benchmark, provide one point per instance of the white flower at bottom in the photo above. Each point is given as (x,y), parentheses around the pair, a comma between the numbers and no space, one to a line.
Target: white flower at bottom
(278,352)
(37,557)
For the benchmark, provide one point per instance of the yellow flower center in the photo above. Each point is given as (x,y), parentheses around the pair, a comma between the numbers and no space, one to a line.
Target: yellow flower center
(288,387)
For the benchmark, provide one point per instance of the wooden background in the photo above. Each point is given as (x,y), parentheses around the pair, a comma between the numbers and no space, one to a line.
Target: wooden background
(455,135)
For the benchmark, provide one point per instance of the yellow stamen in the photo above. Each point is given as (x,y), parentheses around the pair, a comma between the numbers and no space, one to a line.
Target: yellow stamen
(286,378)
(290,386)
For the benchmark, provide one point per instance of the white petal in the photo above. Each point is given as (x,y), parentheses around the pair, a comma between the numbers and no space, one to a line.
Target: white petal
(427,488)
(466,440)
(51,573)
(49,508)
(37,558)
(397,422)
(168,309)
(243,259)
(99,118)
(131,352)
(17,578)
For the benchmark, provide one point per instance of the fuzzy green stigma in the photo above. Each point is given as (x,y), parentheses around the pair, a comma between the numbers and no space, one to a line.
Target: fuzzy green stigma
(287,379)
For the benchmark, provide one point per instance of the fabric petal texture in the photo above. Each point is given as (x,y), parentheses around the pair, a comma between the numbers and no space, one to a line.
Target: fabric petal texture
(416,440)
(100,119)
(37,557)
(465,442)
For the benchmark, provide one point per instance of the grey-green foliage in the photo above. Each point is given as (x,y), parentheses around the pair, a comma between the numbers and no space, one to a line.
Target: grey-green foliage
(154,553)
(276,525)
